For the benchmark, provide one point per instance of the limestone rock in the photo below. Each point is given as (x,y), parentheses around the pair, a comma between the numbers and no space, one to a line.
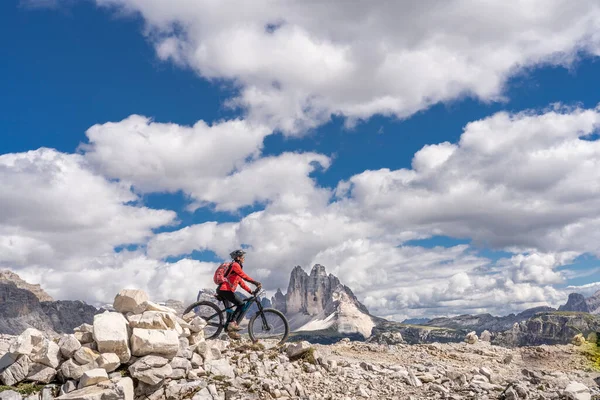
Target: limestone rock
(219,367)
(48,354)
(40,373)
(297,349)
(152,306)
(10,395)
(7,359)
(127,300)
(153,320)
(28,342)
(197,324)
(84,337)
(486,336)
(578,340)
(92,377)
(108,361)
(111,334)
(181,390)
(151,370)
(471,337)
(68,345)
(577,391)
(154,341)
(16,372)
(85,355)
(70,369)
(114,389)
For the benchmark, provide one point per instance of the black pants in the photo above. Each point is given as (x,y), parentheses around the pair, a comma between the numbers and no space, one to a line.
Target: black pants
(234,298)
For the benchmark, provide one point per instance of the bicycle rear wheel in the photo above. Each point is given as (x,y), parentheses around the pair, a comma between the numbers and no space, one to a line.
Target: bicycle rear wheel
(212,314)
(270,325)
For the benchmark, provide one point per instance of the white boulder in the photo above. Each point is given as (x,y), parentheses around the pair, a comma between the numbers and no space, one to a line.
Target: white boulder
(92,377)
(153,320)
(29,341)
(577,391)
(471,337)
(85,355)
(111,334)
(41,373)
(151,370)
(16,372)
(128,300)
(154,341)
(151,306)
(68,345)
(108,361)
(486,336)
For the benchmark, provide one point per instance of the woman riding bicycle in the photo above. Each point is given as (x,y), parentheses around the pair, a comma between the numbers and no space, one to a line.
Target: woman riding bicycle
(226,291)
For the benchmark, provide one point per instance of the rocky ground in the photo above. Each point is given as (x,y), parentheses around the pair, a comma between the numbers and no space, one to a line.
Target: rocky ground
(152,354)
(358,370)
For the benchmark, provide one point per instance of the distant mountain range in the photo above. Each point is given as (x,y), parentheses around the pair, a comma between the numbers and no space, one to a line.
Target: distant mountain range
(321,309)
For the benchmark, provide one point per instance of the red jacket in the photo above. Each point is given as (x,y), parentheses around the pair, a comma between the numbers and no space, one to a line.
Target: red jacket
(236,276)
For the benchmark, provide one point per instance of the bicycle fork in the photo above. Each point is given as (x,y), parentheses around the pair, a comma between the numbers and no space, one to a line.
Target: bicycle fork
(265,324)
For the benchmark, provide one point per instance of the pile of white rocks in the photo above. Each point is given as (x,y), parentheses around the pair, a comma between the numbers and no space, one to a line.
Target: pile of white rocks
(125,354)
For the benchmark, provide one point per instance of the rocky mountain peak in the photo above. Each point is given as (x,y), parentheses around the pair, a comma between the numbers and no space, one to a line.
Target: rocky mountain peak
(593,303)
(309,294)
(9,276)
(576,302)
(278,301)
(318,270)
(319,301)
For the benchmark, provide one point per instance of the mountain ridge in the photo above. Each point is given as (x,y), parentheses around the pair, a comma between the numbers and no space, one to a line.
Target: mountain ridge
(21,308)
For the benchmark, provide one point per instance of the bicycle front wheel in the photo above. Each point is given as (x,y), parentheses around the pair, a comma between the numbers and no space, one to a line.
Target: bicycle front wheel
(270,325)
(211,314)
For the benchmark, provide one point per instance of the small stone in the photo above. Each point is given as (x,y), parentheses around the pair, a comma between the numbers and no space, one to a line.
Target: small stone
(67,387)
(85,355)
(84,337)
(108,361)
(486,336)
(471,337)
(68,345)
(41,373)
(92,377)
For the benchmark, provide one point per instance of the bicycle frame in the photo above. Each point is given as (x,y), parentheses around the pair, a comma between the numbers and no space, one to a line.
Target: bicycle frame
(247,304)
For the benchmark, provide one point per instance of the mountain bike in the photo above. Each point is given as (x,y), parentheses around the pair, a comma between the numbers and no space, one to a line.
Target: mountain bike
(266,321)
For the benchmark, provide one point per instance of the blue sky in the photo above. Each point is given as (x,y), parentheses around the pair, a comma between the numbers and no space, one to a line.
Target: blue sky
(69,66)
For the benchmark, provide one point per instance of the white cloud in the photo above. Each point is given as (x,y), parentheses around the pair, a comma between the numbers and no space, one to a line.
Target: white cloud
(520,181)
(391,58)
(157,156)
(218,164)
(98,282)
(54,208)
(283,179)
(60,223)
